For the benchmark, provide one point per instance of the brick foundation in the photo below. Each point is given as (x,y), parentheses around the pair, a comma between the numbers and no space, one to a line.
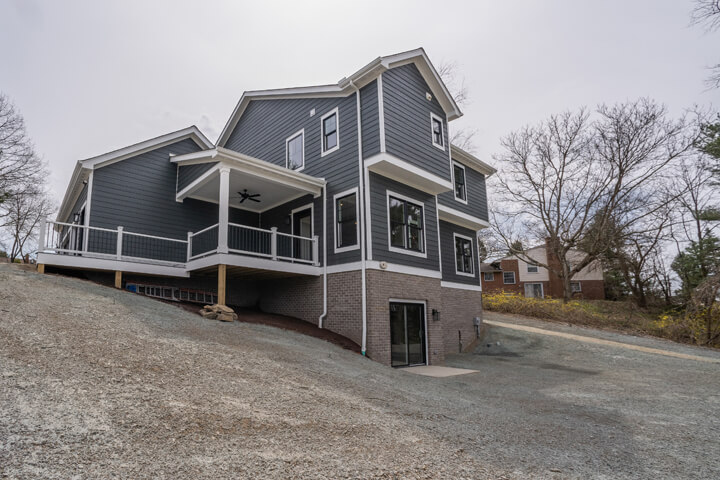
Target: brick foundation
(459,308)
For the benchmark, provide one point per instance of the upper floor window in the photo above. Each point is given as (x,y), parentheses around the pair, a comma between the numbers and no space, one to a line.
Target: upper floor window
(508,278)
(459,180)
(463,255)
(346,221)
(437,131)
(295,151)
(532,268)
(406,225)
(329,132)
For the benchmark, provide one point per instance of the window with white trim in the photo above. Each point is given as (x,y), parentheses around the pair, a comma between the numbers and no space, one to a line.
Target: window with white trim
(463,256)
(575,287)
(346,221)
(489,276)
(295,151)
(406,225)
(329,132)
(459,180)
(532,268)
(437,131)
(508,278)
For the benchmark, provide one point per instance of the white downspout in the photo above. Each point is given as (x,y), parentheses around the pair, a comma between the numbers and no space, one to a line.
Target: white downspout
(363,244)
(325,249)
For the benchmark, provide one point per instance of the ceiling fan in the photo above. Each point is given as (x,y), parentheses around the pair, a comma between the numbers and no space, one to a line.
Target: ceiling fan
(244,195)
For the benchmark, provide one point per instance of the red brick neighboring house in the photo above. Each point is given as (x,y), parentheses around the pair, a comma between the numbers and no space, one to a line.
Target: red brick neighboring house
(511,274)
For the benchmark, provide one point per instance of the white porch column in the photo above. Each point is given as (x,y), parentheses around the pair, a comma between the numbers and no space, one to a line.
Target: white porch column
(41,237)
(223,213)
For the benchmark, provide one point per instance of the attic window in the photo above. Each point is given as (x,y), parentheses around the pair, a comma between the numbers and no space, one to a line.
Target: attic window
(436,130)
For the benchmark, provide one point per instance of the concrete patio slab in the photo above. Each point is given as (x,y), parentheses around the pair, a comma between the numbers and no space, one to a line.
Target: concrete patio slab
(435,371)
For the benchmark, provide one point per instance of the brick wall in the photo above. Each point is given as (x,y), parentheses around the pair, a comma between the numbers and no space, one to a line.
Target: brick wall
(345,305)
(381,287)
(497,285)
(459,307)
(300,297)
(592,290)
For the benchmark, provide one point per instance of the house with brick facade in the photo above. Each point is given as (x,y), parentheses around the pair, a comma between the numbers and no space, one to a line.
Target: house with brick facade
(514,275)
(344,205)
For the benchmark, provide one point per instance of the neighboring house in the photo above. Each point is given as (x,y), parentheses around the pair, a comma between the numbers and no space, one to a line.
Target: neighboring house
(511,274)
(343,205)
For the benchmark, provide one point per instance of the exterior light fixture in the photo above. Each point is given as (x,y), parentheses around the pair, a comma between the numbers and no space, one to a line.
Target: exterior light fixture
(435,315)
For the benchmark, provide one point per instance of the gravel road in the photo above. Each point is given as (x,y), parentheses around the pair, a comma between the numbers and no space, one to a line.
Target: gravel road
(100,383)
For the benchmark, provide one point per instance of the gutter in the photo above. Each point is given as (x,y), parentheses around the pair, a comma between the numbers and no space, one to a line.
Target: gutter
(363,243)
(325,249)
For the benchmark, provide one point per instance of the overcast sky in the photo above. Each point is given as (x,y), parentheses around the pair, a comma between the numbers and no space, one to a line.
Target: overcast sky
(93,76)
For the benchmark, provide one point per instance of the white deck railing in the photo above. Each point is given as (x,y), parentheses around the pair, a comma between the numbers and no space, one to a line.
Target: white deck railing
(119,244)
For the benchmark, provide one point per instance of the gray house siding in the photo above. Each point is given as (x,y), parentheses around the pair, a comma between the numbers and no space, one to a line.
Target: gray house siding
(379,186)
(139,194)
(188,174)
(407,121)
(447,248)
(370,119)
(266,124)
(476,196)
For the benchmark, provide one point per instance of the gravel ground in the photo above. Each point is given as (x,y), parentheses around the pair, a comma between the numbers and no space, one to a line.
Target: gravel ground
(100,383)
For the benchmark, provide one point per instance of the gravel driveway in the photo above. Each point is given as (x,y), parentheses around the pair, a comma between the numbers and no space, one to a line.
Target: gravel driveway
(100,383)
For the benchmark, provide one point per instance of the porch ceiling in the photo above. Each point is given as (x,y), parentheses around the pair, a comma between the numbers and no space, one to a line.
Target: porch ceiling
(276,185)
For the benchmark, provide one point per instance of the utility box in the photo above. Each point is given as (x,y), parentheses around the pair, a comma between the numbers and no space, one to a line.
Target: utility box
(477,321)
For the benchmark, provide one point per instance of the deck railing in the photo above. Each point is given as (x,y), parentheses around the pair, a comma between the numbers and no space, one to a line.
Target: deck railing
(119,244)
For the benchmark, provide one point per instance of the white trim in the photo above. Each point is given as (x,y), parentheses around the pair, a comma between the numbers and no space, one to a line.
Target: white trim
(460,155)
(397,268)
(461,286)
(465,185)
(425,311)
(223,209)
(381,113)
(357,219)
(514,282)
(88,205)
(368,217)
(344,267)
(252,262)
(442,131)
(457,217)
(287,152)
(86,262)
(109,158)
(332,112)
(472,253)
(393,168)
(406,251)
(185,192)
(437,223)
(542,289)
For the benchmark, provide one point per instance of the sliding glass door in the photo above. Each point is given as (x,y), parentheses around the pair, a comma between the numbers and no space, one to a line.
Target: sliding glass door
(407,334)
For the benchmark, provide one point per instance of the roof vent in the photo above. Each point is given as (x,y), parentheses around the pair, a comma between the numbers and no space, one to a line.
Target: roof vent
(428,96)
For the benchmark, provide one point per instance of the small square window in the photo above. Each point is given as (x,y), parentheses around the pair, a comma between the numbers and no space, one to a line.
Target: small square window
(437,131)
(508,278)
(575,287)
(532,268)
(489,276)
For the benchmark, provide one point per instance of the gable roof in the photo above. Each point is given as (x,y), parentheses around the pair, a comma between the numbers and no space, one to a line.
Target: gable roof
(346,85)
(470,160)
(82,170)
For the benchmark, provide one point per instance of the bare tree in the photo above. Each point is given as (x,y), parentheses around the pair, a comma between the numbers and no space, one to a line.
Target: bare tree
(455,82)
(577,182)
(25,211)
(706,13)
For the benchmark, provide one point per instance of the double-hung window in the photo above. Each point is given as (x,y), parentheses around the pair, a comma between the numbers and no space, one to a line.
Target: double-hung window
(463,256)
(508,278)
(406,225)
(295,151)
(329,132)
(459,179)
(437,131)
(346,221)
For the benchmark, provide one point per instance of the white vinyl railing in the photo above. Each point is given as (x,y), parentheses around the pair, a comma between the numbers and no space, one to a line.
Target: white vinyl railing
(119,244)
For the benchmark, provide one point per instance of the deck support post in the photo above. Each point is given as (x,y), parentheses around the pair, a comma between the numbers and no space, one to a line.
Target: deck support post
(41,268)
(118,279)
(223,213)
(222,274)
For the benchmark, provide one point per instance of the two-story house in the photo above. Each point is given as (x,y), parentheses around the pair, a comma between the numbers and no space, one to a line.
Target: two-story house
(344,205)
